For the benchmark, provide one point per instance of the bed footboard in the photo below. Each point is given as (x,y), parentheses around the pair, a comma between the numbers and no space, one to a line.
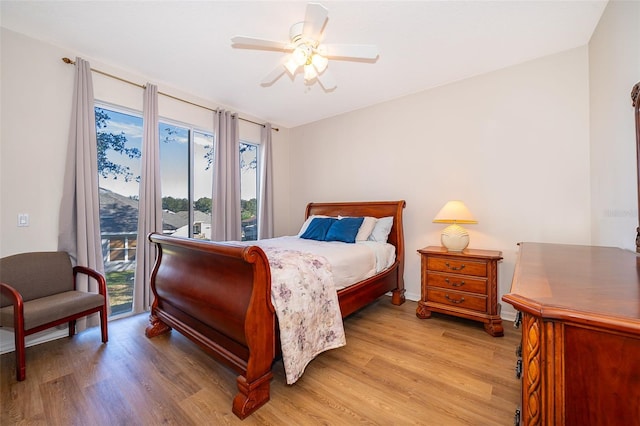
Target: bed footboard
(219,296)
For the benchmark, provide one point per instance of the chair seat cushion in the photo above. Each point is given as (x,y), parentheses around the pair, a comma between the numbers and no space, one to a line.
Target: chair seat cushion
(51,308)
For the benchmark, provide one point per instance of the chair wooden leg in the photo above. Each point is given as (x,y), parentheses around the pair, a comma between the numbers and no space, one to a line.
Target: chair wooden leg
(21,370)
(103,324)
(72,328)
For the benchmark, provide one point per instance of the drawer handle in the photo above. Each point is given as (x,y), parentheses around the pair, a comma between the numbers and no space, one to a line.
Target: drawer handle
(518,320)
(518,368)
(453,268)
(446,296)
(460,284)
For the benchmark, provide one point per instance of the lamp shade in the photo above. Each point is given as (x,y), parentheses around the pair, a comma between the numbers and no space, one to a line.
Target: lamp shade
(454,212)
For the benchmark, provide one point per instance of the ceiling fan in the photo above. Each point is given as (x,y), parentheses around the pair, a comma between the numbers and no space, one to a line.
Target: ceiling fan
(307,52)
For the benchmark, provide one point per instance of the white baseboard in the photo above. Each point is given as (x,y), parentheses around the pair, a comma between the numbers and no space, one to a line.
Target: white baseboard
(411,296)
(508,316)
(7,341)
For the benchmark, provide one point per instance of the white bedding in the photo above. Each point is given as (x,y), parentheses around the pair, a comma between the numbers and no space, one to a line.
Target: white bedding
(305,275)
(350,263)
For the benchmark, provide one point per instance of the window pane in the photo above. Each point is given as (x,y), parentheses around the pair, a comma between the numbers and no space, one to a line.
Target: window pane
(186,166)
(116,244)
(131,251)
(248,190)
(117,255)
(119,137)
(174,172)
(202,184)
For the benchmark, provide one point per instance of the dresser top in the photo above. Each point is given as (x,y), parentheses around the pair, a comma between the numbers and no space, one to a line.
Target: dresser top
(584,283)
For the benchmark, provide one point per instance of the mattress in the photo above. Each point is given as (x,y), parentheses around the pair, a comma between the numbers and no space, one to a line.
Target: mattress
(350,263)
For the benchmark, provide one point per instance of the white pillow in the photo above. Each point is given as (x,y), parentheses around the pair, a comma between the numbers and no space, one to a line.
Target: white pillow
(366,228)
(306,223)
(368,223)
(381,231)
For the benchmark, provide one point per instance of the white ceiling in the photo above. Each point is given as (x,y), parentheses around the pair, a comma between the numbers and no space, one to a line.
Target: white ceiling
(423,44)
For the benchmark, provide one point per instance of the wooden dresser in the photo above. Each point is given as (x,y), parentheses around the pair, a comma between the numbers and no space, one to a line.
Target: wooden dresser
(580,353)
(464,284)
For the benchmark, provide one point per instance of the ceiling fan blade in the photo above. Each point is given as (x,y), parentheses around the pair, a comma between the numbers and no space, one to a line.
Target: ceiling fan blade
(273,75)
(260,43)
(314,20)
(327,81)
(356,51)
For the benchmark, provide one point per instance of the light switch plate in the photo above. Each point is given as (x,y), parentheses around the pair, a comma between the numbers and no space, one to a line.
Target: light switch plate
(23,219)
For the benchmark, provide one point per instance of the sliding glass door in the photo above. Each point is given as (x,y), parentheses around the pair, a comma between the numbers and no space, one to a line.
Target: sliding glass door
(186,170)
(119,135)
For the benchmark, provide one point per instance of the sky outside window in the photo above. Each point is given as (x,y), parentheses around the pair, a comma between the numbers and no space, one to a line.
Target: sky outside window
(173,158)
(131,126)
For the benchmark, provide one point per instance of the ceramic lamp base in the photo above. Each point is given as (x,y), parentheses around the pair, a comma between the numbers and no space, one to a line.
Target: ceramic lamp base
(454,237)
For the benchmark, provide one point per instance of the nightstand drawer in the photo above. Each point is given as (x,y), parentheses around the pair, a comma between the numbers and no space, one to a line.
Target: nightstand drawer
(458,282)
(454,298)
(466,267)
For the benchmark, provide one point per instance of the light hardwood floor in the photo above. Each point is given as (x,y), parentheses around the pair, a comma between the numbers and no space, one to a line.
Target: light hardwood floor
(395,370)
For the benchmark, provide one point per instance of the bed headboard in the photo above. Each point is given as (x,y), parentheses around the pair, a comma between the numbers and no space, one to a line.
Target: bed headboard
(367,208)
(635,102)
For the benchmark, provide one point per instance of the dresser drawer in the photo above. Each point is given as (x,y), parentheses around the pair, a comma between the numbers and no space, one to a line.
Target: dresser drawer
(457,282)
(478,269)
(458,299)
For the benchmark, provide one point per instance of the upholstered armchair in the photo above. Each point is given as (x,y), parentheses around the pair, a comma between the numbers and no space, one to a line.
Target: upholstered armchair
(38,291)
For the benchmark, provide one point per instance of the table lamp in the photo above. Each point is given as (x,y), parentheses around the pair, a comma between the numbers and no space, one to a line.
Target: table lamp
(454,237)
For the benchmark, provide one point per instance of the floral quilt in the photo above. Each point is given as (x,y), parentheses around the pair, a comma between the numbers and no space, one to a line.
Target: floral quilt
(306,303)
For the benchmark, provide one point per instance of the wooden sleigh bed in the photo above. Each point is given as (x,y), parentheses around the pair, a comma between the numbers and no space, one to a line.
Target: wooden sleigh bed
(219,296)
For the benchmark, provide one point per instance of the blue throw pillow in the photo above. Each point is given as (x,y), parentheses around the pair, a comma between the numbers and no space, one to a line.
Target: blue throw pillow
(317,229)
(345,229)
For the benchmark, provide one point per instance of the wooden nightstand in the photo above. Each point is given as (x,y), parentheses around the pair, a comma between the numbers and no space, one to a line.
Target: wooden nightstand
(464,284)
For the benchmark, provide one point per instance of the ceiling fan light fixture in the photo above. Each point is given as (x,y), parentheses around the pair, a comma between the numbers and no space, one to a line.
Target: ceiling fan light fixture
(291,65)
(319,62)
(310,72)
(301,54)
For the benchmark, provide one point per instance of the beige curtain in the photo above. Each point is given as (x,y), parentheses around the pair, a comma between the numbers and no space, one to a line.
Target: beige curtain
(265,199)
(79,223)
(226,223)
(150,203)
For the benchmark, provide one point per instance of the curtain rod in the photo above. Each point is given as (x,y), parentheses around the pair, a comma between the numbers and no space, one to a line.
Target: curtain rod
(72,62)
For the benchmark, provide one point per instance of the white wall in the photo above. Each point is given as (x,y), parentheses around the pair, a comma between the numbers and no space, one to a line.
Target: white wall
(35,125)
(614,67)
(513,144)
(36,107)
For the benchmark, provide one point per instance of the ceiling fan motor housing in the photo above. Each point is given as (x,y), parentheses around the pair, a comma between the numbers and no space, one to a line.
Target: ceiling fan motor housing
(295,33)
